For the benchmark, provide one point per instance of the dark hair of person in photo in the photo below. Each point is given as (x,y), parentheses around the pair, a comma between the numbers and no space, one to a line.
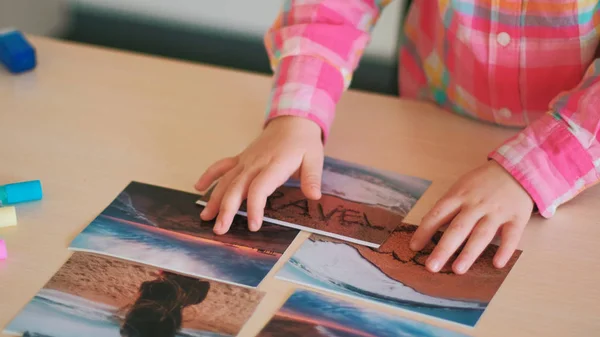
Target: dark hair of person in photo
(157,312)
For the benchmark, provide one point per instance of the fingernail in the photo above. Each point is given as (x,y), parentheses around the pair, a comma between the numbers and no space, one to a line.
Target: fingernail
(461,267)
(217,227)
(252,225)
(203,213)
(434,265)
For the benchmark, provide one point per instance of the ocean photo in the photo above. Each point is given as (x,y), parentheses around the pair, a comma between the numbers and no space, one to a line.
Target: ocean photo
(58,314)
(396,276)
(308,313)
(97,296)
(161,227)
(359,204)
(370,186)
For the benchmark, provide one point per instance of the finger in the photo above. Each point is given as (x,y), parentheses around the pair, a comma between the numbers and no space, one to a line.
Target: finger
(511,235)
(480,238)
(452,238)
(263,186)
(296,175)
(442,213)
(214,172)
(232,200)
(310,175)
(214,203)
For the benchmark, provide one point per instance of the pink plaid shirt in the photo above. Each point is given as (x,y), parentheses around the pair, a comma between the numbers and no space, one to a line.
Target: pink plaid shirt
(531,64)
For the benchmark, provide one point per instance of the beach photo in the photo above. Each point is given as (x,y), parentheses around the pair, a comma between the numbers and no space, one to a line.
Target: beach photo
(162,227)
(100,296)
(396,276)
(311,314)
(359,204)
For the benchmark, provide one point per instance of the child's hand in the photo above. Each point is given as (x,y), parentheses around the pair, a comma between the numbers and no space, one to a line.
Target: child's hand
(478,205)
(287,146)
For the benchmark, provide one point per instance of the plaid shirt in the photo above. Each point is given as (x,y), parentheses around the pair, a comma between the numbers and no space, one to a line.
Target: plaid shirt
(531,64)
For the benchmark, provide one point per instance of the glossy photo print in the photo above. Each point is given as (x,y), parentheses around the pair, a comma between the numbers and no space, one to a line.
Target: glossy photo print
(359,204)
(100,296)
(396,276)
(162,227)
(311,314)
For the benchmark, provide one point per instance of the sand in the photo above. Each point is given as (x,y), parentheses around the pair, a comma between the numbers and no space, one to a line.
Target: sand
(333,214)
(396,260)
(116,283)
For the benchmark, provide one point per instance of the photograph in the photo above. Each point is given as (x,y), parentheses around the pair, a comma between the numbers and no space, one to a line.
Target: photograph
(394,275)
(101,296)
(359,204)
(161,227)
(308,313)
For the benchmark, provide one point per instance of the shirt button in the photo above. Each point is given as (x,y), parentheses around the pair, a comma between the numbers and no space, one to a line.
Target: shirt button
(503,39)
(504,113)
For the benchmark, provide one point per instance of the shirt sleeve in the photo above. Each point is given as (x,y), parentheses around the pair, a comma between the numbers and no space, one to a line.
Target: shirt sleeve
(314,47)
(558,156)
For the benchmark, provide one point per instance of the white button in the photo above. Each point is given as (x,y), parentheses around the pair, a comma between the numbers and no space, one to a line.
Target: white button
(504,113)
(503,39)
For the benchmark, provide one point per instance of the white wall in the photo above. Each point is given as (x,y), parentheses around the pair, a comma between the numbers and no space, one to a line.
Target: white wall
(40,17)
(246,17)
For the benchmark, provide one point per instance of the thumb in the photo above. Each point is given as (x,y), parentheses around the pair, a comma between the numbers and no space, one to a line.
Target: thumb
(311,172)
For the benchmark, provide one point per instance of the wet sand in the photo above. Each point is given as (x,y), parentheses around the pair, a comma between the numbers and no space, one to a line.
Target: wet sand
(397,261)
(333,214)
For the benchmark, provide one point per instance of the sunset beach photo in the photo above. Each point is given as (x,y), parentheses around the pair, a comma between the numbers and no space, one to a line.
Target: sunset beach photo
(162,227)
(99,296)
(311,314)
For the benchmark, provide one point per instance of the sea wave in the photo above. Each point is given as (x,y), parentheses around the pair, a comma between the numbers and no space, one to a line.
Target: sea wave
(326,332)
(75,305)
(124,204)
(52,313)
(342,266)
(174,252)
(364,192)
(198,333)
(347,319)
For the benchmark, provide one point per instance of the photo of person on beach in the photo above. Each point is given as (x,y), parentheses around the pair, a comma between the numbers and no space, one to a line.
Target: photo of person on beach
(98,296)
(158,309)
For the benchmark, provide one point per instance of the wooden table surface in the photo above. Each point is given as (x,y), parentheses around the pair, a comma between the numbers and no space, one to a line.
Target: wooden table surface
(87,121)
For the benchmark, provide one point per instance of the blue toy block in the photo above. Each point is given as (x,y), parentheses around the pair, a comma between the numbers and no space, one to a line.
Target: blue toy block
(16,53)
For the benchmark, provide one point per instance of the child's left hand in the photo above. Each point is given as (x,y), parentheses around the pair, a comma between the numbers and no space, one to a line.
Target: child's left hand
(480,204)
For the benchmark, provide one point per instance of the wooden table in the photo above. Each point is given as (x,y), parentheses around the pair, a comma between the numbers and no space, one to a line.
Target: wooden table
(88,120)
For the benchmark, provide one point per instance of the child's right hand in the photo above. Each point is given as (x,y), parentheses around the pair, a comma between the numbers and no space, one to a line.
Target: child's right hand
(287,146)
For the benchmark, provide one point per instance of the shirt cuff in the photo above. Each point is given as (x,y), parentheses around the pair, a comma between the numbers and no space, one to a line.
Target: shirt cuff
(549,162)
(306,86)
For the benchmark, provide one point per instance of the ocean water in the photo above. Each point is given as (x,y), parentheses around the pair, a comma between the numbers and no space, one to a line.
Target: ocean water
(53,313)
(409,184)
(364,192)
(334,317)
(398,192)
(175,252)
(339,268)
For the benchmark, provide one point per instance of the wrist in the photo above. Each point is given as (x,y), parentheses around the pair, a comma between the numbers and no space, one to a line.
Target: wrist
(295,124)
(495,163)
